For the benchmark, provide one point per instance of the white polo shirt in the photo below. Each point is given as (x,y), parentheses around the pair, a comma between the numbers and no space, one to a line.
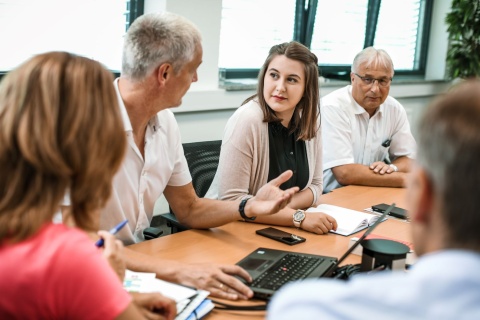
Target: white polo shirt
(140,182)
(351,136)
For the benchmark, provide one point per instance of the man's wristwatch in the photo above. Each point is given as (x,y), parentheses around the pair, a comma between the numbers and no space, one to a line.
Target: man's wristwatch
(394,167)
(298,218)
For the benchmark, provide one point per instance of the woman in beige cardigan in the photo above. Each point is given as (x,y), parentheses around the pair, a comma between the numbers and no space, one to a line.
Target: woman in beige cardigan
(277,129)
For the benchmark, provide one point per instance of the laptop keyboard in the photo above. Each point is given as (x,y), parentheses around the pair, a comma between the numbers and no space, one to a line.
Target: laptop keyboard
(291,267)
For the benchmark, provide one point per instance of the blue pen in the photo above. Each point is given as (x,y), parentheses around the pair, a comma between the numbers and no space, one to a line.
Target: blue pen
(114,230)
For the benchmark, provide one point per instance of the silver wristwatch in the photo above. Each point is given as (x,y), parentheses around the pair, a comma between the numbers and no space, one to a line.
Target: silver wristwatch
(298,218)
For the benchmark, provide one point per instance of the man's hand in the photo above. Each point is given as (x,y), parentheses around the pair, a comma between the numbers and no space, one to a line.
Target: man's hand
(155,305)
(270,198)
(217,279)
(113,252)
(318,222)
(381,167)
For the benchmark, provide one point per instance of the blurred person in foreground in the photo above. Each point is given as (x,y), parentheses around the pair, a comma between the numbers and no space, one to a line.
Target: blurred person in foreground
(58,111)
(443,207)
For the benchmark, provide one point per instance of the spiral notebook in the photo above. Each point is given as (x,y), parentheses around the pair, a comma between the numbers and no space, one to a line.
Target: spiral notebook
(348,221)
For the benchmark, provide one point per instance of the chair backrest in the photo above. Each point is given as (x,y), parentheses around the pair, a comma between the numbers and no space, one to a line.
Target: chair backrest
(202,158)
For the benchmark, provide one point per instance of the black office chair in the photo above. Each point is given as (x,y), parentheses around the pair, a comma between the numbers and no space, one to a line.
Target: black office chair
(202,158)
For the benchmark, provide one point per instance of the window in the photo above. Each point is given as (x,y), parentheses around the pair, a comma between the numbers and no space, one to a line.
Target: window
(90,28)
(251,27)
(403,43)
(335,30)
(334,40)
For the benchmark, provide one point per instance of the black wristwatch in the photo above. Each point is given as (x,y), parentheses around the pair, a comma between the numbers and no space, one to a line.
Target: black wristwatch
(241,209)
(298,218)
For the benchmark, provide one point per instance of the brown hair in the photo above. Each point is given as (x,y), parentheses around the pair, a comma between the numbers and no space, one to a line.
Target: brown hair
(60,132)
(306,114)
(449,151)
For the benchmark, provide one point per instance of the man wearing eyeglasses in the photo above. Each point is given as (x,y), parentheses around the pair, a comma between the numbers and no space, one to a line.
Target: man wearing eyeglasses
(366,134)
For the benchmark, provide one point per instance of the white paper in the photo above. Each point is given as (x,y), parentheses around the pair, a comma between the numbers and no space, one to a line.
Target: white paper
(147,282)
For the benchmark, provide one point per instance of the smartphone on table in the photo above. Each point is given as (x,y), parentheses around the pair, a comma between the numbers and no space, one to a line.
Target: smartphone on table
(280,235)
(396,211)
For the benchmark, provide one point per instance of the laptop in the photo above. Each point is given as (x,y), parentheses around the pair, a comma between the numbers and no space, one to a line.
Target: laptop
(270,269)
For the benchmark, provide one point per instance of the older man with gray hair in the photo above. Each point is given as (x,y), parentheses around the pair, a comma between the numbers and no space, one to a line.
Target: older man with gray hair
(366,133)
(161,55)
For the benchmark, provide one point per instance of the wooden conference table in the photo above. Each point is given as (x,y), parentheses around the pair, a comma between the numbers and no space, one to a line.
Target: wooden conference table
(230,243)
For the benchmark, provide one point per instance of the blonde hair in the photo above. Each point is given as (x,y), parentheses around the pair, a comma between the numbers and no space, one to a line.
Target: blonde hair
(60,131)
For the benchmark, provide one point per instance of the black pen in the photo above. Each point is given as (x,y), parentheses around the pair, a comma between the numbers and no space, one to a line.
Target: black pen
(114,230)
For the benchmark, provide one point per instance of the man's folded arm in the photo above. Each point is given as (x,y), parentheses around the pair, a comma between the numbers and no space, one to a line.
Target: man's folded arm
(359,174)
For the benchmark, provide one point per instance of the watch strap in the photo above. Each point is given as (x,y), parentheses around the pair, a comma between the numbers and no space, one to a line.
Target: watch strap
(241,209)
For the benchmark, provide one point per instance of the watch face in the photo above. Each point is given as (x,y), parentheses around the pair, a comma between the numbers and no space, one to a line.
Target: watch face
(299,216)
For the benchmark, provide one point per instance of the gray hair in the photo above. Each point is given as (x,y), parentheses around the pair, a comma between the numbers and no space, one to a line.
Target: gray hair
(157,38)
(449,152)
(373,57)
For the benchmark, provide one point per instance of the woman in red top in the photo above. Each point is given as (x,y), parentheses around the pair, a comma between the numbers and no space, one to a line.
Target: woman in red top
(58,111)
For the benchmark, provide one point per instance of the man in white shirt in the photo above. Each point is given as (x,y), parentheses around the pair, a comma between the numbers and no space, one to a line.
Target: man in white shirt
(443,208)
(366,134)
(160,59)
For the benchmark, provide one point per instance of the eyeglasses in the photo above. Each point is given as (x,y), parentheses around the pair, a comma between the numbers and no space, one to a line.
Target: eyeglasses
(383,82)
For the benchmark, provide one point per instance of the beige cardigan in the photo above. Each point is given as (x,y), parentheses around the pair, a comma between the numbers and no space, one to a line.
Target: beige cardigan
(244,158)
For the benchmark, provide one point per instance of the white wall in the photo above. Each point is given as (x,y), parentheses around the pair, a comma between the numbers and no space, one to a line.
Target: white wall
(437,50)
(206,108)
